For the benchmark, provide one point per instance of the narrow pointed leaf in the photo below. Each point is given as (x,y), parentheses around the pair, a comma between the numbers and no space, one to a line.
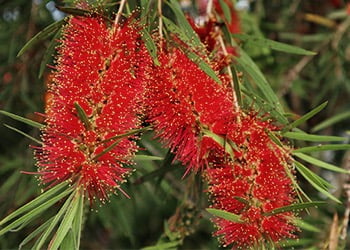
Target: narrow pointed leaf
(66,223)
(34,203)
(55,221)
(78,222)
(221,141)
(237,87)
(46,32)
(295,207)
(331,121)
(311,178)
(308,137)
(254,72)
(323,148)
(48,53)
(82,116)
(34,212)
(22,119)
(35,233)
(307,116)
(24,134)
(225,215)
(151,47)
(321,164)
(306,226)
(264,42)
(148,158)
(131,132)
(203,66)
(226,10)
(184,24)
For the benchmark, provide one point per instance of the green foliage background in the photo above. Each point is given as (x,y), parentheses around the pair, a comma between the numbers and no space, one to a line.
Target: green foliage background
(160,200)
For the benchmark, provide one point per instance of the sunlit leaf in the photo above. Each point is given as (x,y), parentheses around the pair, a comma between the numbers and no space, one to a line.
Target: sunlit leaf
(148,158)
(34,203)
(320,163)
(323,148)
(221,141)
(308,137)
(264,42)
(22,119)
(55,221)
(225,215)
(295,207)
(67,221)
(314,180)
(307,116)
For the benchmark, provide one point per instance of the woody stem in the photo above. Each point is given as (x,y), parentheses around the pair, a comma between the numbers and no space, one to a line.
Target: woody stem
(119,13)
(160,27)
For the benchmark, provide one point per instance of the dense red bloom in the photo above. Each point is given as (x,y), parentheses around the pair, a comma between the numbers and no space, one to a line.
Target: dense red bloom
(254,183)
(96,70)
(182,100)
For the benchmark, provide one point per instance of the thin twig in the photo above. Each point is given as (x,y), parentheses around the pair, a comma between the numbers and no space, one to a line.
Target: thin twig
(209,8)
(229,71)
(160,25)
(346,187)
(119,13)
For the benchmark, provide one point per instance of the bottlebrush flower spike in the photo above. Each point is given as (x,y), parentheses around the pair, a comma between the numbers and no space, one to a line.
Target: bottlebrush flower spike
(253,184)
(95,97)
(182,100)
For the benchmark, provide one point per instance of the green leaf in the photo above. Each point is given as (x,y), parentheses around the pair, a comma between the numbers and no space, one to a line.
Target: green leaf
(295,207)
(35,233)
(48,53)
(67,221)
(203,66)
(131,132)
(237,87)
(184,24)
(314,180)
(22,119)
(225,215)
(266,106)
(319,163)
(263,42)
(191,55)
(307,116)
(296,242)
(34,203)
(221,141)
(306,226)
(331,121)
(151,47)
(46,32)
(161,246)
(55,221)
(308,137)
(74,11)
(82,116)
(34,212)
(254,72)
(226,10)
(78,222)
(148,158)
(323,148)
(22,133)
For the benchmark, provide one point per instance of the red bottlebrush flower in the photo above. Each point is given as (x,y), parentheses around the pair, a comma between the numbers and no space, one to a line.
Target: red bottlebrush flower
(95,70)
(253,183)
(182,100)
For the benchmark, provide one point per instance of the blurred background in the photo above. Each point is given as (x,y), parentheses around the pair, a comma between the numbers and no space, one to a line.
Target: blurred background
(165,208)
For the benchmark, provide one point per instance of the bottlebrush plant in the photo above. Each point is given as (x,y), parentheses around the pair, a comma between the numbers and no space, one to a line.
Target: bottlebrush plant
(134,72)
